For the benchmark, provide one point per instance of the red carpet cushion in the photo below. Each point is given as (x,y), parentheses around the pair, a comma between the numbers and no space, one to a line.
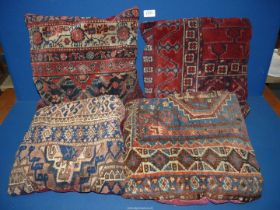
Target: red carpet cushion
(197,54)
(72,146)
(79,57)
(189,146)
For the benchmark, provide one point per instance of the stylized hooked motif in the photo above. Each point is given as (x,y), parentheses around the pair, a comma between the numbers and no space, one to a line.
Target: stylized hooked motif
(189,146)
(196,54)
(73,146)
(79,57)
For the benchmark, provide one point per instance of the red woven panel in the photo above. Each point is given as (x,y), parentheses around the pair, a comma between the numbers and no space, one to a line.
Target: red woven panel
(198,54)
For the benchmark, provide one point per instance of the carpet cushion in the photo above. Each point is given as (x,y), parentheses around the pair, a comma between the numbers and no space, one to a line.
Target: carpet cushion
(196,54)
(72,146)
(79,57)
(189,146)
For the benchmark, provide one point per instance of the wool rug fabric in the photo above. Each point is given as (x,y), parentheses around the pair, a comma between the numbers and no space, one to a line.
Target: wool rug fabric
(80,57)
(197,54)
(72,146)
(189,146)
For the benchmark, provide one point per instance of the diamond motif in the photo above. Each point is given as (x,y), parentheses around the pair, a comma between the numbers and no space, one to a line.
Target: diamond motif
(235,160)
(159,160)
(252,160)
(211,158)
(227,183)
(185,159)
(164,184)
(133,161)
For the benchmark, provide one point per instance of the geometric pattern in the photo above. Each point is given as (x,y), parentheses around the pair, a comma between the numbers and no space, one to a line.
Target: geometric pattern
(72,146)
(189,146)
(196,54)
(80,57)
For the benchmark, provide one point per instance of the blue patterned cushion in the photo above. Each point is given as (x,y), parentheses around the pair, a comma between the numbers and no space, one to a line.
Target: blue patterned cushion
(189,146)
(73,146)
